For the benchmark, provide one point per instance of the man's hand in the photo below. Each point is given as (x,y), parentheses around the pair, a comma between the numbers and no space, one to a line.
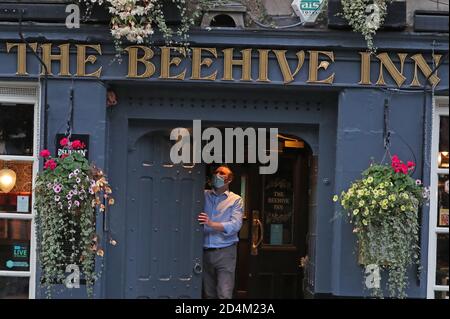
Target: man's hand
(203,219)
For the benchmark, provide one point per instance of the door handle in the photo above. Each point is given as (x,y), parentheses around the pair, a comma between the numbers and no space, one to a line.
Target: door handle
(198,269)
(257,235)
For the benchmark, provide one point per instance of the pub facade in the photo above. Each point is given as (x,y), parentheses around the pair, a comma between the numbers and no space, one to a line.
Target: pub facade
(333,105)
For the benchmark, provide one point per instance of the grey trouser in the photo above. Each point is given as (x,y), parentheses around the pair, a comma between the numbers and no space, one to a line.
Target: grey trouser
(218,272)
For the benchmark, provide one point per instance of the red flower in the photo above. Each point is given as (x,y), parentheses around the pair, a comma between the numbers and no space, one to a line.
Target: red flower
(45,153)
(64,141)
(404,169)
(77,144)
(64,155)
(411,164)
(395,159)
(51,164)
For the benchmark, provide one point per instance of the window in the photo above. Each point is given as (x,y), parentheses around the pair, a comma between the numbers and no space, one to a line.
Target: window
(19,118)
(438,249)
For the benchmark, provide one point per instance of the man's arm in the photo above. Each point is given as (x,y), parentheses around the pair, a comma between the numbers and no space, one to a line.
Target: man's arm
(234,225)
(231,227)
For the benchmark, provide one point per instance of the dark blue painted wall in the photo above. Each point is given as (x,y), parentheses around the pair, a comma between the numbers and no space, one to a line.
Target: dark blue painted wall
(350,127)
(89,117)
(360,138)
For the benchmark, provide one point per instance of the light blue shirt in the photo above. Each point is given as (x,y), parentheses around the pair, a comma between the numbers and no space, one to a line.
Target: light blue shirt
(225,208)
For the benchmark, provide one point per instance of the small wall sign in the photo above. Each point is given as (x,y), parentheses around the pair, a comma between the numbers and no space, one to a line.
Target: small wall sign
(307,10)
(84,138)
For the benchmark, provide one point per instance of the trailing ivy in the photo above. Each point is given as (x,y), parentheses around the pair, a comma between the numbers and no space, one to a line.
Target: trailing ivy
(365,17)
(384,208)
(69,192)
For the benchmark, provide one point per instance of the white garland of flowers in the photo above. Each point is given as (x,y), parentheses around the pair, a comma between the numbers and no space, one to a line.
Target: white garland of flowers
(133,20)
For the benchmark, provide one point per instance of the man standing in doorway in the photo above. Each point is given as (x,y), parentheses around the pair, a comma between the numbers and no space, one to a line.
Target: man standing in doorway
(222,220)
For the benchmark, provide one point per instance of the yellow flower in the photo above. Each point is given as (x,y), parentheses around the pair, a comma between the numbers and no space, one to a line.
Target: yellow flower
(361,203)
(355,212)
(335,198)
(364,222)
(403,208)
(366,212)
(384,207)
(370,179)
(392,197)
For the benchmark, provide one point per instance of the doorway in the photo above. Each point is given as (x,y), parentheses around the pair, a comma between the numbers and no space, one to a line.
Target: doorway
(273,237)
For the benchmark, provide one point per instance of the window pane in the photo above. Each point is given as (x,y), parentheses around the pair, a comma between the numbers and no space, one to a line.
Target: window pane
(443,143)
(15,244)
(18,199)
(441,295)
(442,260)
(443,188)
(14,287)
(16,129)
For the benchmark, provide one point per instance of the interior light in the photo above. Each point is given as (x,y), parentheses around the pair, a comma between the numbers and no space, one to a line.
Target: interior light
(7,180)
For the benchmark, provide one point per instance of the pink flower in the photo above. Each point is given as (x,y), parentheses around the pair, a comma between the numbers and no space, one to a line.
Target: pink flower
(57,188)
(45,153)
(77,144)
(411,164)
(64,141)
(51,164)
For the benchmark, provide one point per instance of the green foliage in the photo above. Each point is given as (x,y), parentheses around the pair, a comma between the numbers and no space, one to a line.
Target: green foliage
(68,192)
(358,15)
(383,207)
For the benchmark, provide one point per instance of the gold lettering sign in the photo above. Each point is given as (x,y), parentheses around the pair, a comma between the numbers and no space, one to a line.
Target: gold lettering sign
(166,62)
(314,66)
(288,75)
(245,63)
(81,59)
(268,64)
(133,61)
(197,64)
(21,55)
(397,75)
(426,70)
(63,58)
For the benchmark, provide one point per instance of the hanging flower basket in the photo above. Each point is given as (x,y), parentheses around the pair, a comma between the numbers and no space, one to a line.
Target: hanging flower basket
(69,193)
(383,208)
(135,20)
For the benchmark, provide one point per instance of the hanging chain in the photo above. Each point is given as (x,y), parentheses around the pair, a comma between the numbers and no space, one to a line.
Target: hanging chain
(386,131)
(68,133)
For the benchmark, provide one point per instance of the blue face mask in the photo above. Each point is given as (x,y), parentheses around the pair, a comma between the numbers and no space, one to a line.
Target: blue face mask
(218,181)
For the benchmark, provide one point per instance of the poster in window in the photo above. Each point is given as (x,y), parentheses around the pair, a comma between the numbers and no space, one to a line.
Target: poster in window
(278,210)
